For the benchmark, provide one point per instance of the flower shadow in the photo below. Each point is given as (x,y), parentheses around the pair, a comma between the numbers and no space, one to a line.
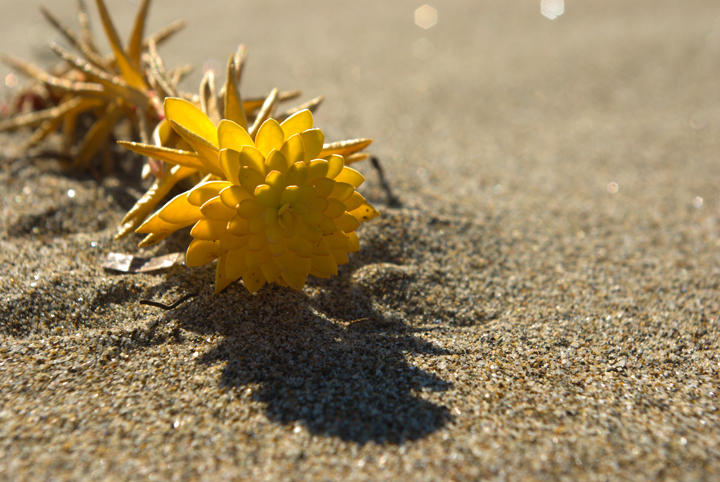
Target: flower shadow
(346,380)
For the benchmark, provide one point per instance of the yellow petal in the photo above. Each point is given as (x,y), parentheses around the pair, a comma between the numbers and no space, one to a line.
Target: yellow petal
(229,241)
(327,225)
(350,176)
(293,149)
(222,280)
(250,208)
(354,201)
(271,217)
(297,174)
(337,240)
(216,210)
(232,196)
(256,226)
(336,166)
(342,191)
(276,161)
(294,280)
(234,110)
(324,264)
(365,213)
(253,158)
(313,141)
(270,136)
(270,270)
(238,226)
(155,225)
(208,229)
(203,147)
(255,259)
(334,209)
(317,204)
(276,180)
(302,266)
(191,118)
(250,178)
(235,264)
(179,211)
(322,248)
(296,123)
(317,169)
(267,196)
(347,222)
(202,193)
(128,70)
(291,194)
(230,164)
(273,234)
(201,252)
(233,136)
(172,156)
(353,242)
(324,187)
(340,256)
(284,261)
(345,148)
(253,279)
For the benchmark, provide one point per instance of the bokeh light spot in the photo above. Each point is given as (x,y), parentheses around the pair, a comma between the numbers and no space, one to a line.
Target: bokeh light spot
(698,202)
(425,16)
(613,187)
(552,9)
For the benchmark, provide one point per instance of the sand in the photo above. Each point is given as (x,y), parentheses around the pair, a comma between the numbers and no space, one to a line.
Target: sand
(542,306)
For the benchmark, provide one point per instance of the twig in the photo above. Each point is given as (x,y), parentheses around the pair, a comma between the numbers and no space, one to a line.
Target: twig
(157,304)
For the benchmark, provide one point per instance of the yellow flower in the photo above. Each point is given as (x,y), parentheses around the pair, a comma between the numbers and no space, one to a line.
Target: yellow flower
(278,214)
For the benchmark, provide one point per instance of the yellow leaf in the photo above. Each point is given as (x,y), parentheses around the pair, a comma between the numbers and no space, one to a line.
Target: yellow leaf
(233,136)
(296,123)
(201,252)
(191,118)
(270,136)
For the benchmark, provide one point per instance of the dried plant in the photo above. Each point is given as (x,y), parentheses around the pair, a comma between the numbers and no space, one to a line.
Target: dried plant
(128,84)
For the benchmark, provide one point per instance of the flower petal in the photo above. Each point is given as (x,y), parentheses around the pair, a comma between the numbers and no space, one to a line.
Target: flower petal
(350,176)
(347,222)
(334,209)
(222,280)
(251,157)
(296,123)
(317,169)
(230,165)
(353,242)
(250,208)
(342,191)
(313,141)
(296,174)
(276,161)
(267,196)
(238,226)
(253,279)
(202,193)
(202,146)
(250,178)
(270,270)
(208,229)
(235,263)
(201,252)
(270,136)
(233,136)
(216,210)
(365,213)
(293,149)
(179,211)
(191,118)
(232,196)
(336,164)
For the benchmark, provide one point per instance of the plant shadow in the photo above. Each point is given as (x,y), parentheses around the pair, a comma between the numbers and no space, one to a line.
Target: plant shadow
(304,359)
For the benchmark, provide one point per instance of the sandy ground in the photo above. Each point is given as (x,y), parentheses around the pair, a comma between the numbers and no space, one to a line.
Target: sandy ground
(543,306)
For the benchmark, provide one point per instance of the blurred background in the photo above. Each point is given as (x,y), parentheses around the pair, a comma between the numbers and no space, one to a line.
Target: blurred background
(468,100)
